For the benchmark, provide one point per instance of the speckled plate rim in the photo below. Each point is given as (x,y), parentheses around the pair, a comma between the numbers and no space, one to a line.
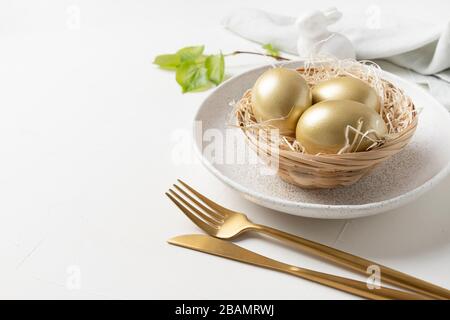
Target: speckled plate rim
(315,210)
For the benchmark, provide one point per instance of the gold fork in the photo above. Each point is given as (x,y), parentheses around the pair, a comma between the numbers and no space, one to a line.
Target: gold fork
(224,223)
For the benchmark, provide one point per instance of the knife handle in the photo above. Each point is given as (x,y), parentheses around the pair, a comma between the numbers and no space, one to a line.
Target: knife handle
(352,286)
(356,263)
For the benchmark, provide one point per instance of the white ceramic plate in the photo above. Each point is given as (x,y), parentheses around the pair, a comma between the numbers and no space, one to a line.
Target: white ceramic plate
(402,178)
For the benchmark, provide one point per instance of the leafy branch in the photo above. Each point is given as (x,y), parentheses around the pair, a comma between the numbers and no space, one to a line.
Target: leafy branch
(196,71)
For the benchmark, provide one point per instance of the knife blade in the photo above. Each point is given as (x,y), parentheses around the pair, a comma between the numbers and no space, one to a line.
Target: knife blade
(226,249)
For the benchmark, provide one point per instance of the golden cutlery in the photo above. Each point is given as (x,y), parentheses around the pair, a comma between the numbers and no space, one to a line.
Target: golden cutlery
(232,251)
(224,223)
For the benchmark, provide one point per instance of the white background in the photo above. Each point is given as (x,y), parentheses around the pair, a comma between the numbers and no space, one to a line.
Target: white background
(86,156)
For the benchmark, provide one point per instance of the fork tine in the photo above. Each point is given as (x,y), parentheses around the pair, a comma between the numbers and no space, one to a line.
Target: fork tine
(215,215)
(201,224)
(209,202)
(198,213)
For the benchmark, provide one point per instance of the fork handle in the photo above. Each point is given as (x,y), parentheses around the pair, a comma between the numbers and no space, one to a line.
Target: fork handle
(356,263)
(353,286)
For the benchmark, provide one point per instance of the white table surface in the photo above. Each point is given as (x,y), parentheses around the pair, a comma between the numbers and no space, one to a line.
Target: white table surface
(86,127)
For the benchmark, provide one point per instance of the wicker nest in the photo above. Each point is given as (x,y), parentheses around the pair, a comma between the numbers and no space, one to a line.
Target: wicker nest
(346,167)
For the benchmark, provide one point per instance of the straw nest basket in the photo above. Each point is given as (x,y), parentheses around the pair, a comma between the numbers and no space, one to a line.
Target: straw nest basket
(332,170)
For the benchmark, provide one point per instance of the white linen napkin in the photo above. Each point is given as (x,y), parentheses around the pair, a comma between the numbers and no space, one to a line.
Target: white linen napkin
(422,48)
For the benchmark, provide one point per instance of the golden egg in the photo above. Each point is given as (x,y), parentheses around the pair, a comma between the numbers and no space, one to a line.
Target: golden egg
(279,97)
(322,128)
(346,88)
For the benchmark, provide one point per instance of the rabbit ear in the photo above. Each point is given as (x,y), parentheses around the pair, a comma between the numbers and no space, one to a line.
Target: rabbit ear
(332,14)
(308,16)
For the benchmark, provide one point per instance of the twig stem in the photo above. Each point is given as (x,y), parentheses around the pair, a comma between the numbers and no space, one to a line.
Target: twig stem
(258,54)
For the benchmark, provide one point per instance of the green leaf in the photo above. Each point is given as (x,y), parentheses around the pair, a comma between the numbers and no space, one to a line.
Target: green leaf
(190,53)
(192,77)
(195,71)
(168,61)
(271,50)
(201,59)
(215,65)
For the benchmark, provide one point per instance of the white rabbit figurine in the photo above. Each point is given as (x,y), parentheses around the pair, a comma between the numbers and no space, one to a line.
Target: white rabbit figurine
(315,38)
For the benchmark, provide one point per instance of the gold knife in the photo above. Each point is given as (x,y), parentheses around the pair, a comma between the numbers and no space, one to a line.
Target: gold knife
(232,251)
